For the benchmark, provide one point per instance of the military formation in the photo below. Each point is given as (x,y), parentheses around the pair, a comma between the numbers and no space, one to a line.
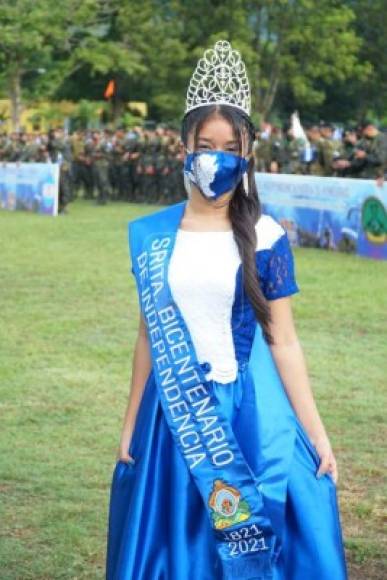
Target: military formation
(139,165)
(142,165)
(356,152)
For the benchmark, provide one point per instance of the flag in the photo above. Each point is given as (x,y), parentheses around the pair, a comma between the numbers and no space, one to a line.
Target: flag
(308,150)
(110,89)
(298,130)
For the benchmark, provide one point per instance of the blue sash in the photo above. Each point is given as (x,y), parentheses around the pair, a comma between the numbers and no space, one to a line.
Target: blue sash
(246,538)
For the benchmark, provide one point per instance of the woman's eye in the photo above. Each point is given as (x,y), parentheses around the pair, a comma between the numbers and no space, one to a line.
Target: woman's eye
(208,148)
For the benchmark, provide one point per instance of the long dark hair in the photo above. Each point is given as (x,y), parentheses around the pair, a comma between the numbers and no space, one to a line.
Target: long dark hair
(244,210)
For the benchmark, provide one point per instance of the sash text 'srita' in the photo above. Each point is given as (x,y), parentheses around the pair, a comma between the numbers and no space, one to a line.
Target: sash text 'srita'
(200,432)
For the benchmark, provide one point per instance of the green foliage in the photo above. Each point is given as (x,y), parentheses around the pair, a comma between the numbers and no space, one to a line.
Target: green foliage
(314,55)
(371,26)
(87,114)
(128,120)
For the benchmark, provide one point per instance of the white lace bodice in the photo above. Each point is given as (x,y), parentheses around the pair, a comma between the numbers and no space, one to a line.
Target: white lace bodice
(202,277)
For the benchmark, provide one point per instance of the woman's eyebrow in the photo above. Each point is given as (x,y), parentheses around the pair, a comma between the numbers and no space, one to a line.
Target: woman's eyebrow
(233,142)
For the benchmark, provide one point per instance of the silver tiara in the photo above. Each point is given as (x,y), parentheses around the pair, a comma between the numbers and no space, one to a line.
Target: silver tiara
(219,78)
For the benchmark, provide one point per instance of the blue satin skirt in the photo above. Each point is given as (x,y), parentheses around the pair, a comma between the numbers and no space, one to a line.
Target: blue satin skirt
(159,529)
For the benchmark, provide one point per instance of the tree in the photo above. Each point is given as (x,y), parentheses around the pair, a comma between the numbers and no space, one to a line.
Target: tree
(301,44)
(298,50)
(59,39)
(30,33)
(371,26)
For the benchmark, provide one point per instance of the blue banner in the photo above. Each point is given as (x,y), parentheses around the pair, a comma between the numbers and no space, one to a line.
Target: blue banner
(328,212)
(30,187)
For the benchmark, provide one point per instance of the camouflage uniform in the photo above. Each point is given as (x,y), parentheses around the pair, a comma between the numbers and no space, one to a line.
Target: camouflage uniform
(81,166)
(101,154)
(291,156)
(329,150)
(262,154)
(132,154)
(374,164)
(118,171)
(60,152)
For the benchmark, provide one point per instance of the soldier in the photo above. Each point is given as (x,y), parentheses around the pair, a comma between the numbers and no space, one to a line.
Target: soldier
(29,150)
(3,147)
(87,166)
(145,168)
(101,151)
(117,169)
(291,153)
(14,147)
(160,164)
(81,165)
(371,152)
(312,166)
(43,154)
(131,158)
(174,182)
(166,184)
(329,149)
(177,170)
(276,159)
(348,165)
(34,151)
(59,149)
(262,148)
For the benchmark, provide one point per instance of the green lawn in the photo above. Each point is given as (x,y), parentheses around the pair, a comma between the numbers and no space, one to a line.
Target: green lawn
(68,323)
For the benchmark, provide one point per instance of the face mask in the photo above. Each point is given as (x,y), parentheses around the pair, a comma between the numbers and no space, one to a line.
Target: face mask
(214,172)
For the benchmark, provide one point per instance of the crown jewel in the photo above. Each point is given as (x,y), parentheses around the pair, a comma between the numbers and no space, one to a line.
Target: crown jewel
(219,78)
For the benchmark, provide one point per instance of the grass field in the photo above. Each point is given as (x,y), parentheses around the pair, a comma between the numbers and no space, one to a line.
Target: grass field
(68,323)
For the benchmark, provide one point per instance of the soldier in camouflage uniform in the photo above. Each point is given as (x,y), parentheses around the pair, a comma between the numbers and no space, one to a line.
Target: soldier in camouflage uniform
(329,149)
(291,153)
(29,151)
(3,147)
(101,154)
(262,149)
(348,165)
(147,169)
(23,148)
(313,166)
(160,161)
(81,166)
(179,192)
(59,149)
(131,159)
(13,148)
(276,158)
(42,153)
(117,170)
(371,152)
(165,178)
(140,169)
(88,169)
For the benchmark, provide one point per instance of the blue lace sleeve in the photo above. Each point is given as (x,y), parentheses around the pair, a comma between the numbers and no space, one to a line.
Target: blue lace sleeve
(279,279)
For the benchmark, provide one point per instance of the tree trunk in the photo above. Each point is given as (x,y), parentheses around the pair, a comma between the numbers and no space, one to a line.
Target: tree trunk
(16,100)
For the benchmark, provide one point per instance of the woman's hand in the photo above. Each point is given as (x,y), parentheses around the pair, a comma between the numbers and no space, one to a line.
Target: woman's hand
(328,461)
(141,367)
(122,454)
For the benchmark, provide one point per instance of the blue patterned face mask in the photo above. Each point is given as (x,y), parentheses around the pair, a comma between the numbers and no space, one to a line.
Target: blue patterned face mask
(214,172)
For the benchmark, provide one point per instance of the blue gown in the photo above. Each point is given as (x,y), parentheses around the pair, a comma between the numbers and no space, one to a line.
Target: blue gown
(158,528)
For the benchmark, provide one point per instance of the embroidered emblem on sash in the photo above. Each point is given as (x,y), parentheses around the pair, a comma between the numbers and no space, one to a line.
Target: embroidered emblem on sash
(228,507)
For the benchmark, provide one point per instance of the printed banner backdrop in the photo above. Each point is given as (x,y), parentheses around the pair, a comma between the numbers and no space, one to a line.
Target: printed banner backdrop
(328,212)
(30,187)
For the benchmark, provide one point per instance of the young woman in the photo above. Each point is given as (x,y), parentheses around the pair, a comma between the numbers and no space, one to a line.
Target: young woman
(224,469)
